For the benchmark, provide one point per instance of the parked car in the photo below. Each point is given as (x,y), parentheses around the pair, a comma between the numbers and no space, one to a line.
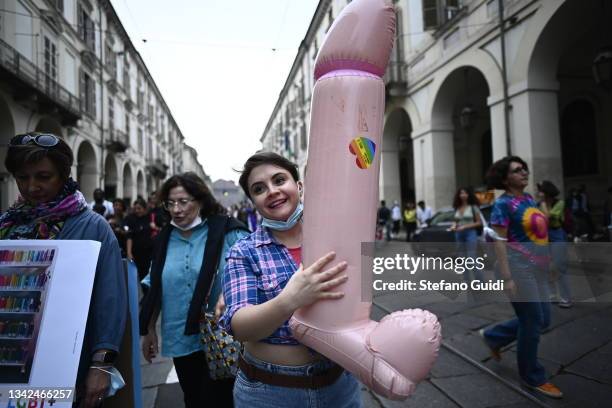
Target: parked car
(437,227)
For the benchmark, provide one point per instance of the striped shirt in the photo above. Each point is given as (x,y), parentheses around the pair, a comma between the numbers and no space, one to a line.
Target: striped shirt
(257,269)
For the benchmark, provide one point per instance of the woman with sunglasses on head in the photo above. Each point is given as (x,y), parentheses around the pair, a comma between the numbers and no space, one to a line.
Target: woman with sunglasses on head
(50,206)
(185,278)
(264,283)
(521,248)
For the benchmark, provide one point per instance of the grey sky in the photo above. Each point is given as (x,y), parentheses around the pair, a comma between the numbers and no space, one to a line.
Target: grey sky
(214,64)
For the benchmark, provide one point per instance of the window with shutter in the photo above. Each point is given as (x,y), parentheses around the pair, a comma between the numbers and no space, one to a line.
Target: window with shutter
(303,137)
(111,114)
(91,34)
(92,98)
(81,22)
(82,90)
(431,14)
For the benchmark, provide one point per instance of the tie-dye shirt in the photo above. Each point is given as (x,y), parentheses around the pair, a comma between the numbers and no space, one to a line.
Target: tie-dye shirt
(526,225)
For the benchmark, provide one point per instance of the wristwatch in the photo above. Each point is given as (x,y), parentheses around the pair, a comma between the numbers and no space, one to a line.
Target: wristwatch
(104,357)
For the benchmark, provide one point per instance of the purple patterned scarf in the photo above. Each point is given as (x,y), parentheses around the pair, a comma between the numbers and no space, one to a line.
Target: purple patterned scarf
(45,220)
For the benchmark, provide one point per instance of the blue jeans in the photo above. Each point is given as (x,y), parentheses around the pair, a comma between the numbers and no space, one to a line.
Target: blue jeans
(558,252)
(344,393)
(467,244)
(532,317)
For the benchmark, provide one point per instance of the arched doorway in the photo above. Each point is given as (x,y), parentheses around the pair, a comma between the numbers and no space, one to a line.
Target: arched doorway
(110,177)
(140,185)
(8,189)
(461,109)
(128,184)
(574,138)
(397,178)
(150,185)
(87,170)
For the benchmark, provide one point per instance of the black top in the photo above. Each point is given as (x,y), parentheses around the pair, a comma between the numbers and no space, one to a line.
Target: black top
(139,231)
(218,226)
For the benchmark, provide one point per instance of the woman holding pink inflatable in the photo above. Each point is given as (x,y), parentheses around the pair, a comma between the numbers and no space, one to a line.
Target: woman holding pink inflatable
(265,283)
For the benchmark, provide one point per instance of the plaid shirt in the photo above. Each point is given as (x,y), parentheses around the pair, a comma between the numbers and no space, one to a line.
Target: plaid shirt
(257,269)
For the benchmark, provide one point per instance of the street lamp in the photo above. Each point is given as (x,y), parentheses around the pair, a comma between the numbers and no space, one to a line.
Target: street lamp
(404,142)
(467,117)
(602,68)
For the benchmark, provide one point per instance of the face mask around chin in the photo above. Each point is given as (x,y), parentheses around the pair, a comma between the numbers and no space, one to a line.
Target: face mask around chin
(285,225)
(197,221)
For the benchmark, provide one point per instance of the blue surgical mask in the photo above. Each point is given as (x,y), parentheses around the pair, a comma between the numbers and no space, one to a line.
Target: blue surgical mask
(116,380)
(285,225)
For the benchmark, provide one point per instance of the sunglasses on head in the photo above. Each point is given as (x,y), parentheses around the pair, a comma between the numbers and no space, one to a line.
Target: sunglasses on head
(42,140)
(519,170)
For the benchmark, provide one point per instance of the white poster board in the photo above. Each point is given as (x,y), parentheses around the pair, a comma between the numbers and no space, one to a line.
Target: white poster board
(45,289)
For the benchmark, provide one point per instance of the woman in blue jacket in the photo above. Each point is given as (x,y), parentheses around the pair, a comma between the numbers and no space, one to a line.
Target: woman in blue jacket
(52,207)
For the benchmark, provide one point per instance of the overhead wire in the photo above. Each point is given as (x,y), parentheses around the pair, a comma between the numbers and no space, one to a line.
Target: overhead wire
(228,45)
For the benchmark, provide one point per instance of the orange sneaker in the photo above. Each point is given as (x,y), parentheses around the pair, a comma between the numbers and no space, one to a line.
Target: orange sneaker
(495,353)
(548,389)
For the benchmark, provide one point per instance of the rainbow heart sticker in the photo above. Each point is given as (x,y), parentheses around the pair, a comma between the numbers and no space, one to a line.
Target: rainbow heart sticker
(364,149)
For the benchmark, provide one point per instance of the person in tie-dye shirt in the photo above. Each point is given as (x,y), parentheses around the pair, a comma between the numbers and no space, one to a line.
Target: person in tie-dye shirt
(521,249)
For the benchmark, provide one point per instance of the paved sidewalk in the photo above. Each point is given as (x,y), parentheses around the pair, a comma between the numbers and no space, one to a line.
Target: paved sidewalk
(576,351)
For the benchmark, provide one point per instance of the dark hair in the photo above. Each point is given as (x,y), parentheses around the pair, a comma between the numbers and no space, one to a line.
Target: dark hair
(421,204)
(472,200)
(265,158)
(99,208)
(196,187)
(139,201)
(120,201)
(548,189)
(498,172)
(60,155)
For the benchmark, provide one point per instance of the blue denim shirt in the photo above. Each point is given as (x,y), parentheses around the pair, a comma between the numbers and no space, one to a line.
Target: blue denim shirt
(181,270)
(108,306)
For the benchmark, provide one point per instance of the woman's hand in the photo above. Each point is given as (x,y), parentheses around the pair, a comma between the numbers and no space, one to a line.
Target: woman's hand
(96,386)
(219,307)
(149,345)
(510,288)
(308,285)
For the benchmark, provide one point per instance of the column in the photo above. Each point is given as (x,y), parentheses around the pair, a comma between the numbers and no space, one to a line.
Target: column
(434,158)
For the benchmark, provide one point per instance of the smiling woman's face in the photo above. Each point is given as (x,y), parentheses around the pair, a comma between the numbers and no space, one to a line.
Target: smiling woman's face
(274,192)
(39,182)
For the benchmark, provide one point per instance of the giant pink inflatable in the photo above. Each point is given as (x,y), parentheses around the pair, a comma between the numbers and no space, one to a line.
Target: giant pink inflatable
(392,355)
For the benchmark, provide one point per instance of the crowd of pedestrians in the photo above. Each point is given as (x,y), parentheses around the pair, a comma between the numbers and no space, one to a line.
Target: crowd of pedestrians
(243,265)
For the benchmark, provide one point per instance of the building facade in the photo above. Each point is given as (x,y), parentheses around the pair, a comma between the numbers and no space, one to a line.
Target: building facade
(190,163)
(228,193)
(472,81)
(69,67)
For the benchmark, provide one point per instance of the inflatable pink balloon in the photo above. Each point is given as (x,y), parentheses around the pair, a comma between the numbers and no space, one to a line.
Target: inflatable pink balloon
(392,355)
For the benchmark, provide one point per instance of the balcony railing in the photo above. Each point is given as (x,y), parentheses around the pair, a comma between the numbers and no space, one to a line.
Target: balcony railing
(118,141)
(49,89)
(157,168)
